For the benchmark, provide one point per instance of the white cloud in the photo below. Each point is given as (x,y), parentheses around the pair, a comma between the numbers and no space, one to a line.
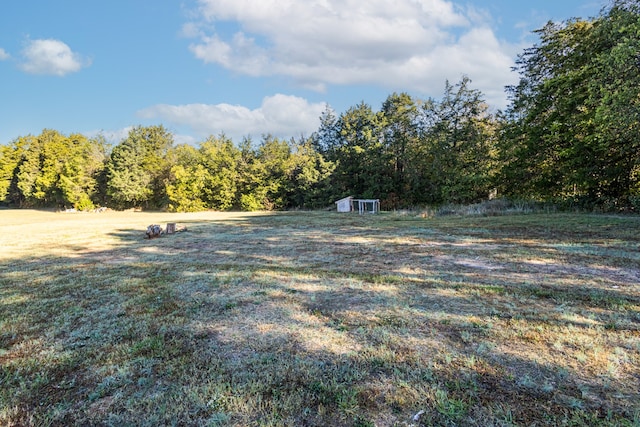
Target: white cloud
(279,115)
(397,44)
(4,55)
(52,57)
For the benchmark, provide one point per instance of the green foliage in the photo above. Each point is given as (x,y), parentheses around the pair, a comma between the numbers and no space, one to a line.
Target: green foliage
(274,175)
(137,168)
(184,185)
(78,181)
(204,178)
(459,136)
(414,152)
(308,173)
(277,174)
(129,184)
(572,127)
(327,137)
(270,168)
(401,136)
(252,189)
(615,101)
(358,153)
(186,190)
(220,159)
(10,158)
(544,129)
(251,202)
(51,169)
(569,137)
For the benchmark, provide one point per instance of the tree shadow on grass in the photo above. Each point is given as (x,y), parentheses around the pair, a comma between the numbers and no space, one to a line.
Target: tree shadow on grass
(276,321)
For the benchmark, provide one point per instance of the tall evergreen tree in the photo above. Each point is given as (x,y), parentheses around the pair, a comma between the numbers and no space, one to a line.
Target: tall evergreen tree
(128,183)
(270,170)
(361,161)
(459,137)
(327,137)
(400,130)
(262,174)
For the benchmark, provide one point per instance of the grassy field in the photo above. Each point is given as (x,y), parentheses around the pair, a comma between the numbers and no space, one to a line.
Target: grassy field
(319,319)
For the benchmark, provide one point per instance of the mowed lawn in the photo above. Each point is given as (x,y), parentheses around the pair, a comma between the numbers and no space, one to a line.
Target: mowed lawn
(319,319)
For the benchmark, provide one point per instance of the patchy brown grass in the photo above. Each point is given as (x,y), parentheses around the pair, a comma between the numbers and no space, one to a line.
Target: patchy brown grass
(319,319)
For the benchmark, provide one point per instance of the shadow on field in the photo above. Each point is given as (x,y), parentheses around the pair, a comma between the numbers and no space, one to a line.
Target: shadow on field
(322,320)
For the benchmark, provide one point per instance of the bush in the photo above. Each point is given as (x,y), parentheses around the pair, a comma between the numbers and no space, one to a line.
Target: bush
(250,202)
(84,204)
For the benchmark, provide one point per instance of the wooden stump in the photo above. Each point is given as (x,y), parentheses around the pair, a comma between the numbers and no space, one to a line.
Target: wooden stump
(171,227)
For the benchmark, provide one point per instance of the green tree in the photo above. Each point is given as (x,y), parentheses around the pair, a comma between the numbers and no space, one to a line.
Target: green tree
(137,170)
(187,180)
(10,159)
(280,174)
(362,164)
(307,177)
(270,169)
(572,125)
(39,168)
(459,137)
(52,169)
(128,183)
(613,97)
(252,185)
(400,130)
(220,159)
(78,179)
(424,171)
(549,119)
(187,188)
(327,137)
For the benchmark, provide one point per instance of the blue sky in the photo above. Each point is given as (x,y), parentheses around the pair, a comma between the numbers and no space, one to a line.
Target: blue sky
(248,67)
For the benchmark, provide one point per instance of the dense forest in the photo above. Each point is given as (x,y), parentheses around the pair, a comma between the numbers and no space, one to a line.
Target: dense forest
(569,136)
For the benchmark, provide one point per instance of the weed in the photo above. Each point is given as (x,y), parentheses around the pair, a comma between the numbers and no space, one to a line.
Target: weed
(362,422)
(449,407)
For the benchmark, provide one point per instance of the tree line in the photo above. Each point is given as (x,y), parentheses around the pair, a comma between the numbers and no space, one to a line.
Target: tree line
(569,136)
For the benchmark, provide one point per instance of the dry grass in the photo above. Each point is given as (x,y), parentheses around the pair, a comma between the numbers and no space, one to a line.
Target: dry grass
(319,319)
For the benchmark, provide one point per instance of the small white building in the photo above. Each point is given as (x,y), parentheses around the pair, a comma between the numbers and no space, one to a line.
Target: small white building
(345,205)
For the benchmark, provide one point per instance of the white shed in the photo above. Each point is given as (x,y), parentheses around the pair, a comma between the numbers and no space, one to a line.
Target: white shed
(345,205)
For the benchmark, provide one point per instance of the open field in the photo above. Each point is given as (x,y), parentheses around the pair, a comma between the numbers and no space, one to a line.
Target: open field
(319,319)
